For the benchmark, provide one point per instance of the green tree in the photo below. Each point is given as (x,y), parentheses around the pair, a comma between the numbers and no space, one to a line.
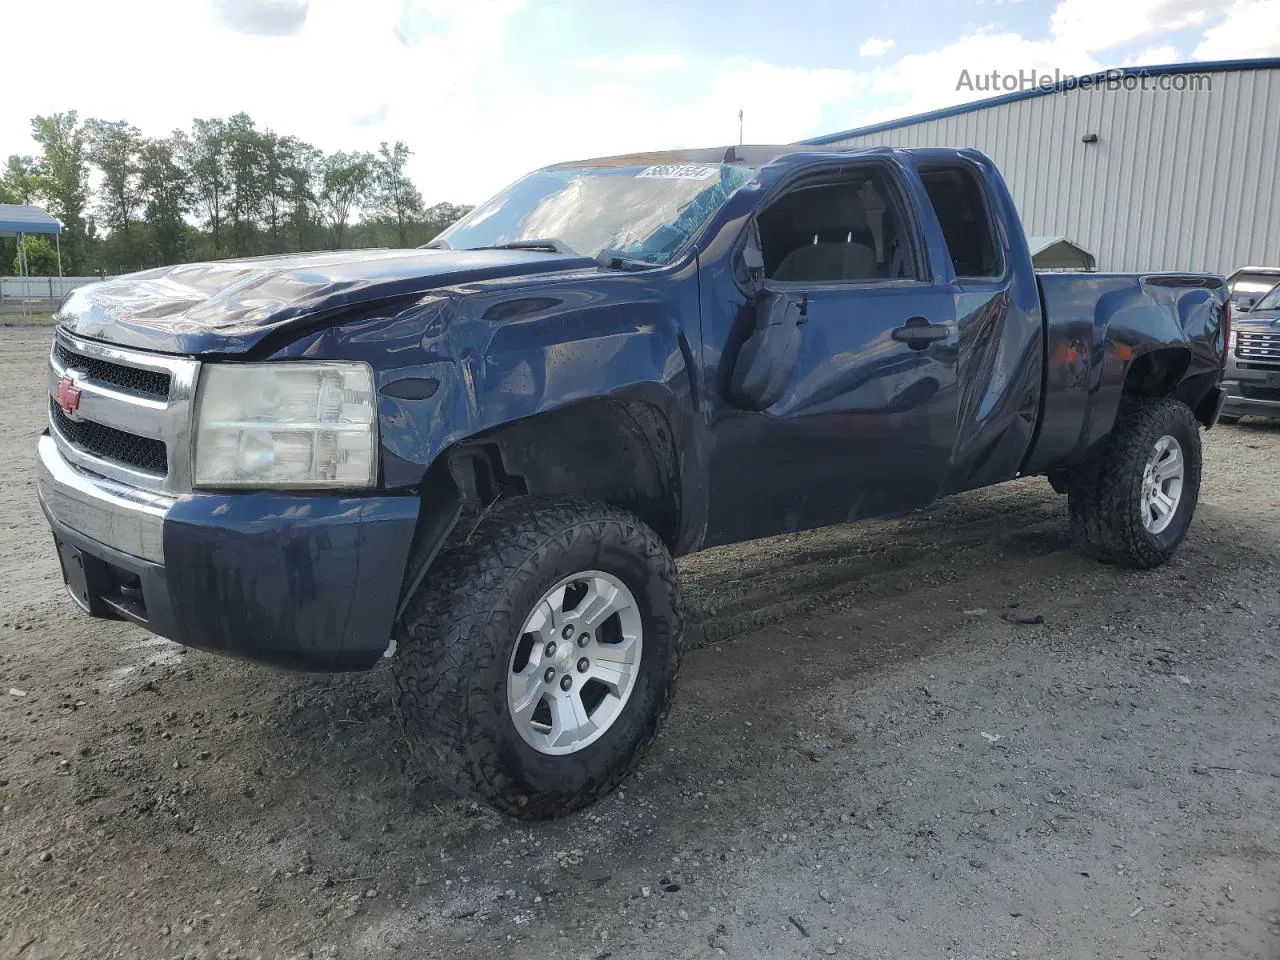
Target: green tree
(345,186)
(225,188)
(206,163)
(17,185)
(114,148)
(166,194)
(394,195)
(20,179)
(305,174)
(442,215)
(276,187)
(42,257)
(63,177)
(247,157)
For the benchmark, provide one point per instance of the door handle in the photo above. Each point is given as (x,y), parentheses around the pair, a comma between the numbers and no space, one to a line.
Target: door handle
(918,333)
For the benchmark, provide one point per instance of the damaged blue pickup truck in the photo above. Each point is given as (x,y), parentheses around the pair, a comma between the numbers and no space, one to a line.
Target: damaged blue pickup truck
(479,458)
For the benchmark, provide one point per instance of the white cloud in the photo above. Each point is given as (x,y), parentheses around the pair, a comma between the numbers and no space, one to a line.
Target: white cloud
(1152,56)
(927,81)
(438,74)
(1081,34)
(411,71)
(1250,30)
(632,63)
(1097,25)
(448,77)
(609,115)
(874,47)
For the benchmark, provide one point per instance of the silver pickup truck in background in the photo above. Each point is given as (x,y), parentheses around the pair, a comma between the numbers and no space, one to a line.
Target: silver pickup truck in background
(1253,363)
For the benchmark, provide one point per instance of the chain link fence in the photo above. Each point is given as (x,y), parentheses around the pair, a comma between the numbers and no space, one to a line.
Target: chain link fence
(40,288)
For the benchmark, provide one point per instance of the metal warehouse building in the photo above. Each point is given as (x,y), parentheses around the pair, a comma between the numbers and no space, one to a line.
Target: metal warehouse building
(1151,168)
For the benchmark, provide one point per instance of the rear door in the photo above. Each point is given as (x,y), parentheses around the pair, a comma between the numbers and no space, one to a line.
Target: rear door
(998,320)
(867,420)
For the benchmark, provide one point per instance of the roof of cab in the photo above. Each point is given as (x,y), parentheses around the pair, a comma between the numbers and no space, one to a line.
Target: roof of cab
(753,155)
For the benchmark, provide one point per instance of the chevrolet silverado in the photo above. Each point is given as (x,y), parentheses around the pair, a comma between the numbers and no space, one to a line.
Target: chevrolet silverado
(478,459)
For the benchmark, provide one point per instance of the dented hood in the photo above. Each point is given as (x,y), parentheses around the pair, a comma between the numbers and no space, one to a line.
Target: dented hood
(229,306)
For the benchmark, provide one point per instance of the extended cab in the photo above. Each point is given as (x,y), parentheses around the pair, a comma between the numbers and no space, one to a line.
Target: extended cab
(479,458)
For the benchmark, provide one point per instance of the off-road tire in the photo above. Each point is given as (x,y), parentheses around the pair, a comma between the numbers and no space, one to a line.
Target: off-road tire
(1105,493)
(454,644)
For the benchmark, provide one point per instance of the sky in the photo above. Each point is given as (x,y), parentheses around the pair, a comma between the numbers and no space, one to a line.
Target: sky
(485,90)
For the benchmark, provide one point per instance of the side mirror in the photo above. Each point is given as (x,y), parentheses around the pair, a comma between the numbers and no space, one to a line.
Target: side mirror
(1245,304)
(748,268)
(767,357)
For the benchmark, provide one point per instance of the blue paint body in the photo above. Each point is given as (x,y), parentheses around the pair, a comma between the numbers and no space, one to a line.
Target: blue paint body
(1028,380)
(301,581)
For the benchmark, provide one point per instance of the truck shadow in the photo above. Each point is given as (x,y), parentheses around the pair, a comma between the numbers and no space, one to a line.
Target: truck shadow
(329,748)
(946,558)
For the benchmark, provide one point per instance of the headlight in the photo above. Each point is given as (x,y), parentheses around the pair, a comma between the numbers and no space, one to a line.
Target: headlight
(286,425)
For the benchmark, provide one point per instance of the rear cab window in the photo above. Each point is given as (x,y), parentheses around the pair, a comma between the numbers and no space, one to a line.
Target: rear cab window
(964,214)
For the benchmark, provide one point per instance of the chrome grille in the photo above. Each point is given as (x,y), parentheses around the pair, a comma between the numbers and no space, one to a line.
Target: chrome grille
(1264,347)
(132,422)
(110,443)
(149,383)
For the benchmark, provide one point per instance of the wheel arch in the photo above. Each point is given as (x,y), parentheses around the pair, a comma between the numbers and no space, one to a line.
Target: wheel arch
(618,450)
(1156,373)
(1166,372)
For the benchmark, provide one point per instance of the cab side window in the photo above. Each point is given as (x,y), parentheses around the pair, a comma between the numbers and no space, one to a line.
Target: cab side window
(849,231)
(961,207)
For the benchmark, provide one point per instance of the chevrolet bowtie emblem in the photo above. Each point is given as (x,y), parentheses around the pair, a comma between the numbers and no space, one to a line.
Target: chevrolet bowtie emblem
(68,396)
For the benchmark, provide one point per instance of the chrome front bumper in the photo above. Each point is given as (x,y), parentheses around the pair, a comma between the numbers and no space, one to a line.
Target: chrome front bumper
(121,517)
(1238,405)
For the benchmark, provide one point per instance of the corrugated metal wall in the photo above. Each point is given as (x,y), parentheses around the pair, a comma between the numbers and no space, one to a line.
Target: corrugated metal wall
(1177,180)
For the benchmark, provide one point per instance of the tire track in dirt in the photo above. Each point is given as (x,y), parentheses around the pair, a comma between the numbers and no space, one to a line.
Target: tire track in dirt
(731,592)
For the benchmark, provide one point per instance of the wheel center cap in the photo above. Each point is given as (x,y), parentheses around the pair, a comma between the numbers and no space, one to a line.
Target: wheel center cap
(565,656)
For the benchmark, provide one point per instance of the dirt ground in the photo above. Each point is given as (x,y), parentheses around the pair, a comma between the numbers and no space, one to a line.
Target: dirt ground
(864,761)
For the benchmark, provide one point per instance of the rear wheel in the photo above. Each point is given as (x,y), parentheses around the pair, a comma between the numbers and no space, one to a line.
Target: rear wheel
(538,659)
(1133,501)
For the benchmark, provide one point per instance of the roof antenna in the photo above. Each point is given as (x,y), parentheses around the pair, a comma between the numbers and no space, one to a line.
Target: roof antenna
(731,154)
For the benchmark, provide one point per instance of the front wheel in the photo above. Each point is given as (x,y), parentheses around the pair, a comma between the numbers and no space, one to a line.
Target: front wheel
(1133,501)
(539,657)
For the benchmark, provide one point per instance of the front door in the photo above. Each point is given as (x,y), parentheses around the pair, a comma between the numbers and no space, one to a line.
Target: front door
(867,421)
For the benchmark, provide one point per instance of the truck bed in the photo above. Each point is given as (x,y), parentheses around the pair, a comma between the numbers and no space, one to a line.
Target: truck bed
(1100,328)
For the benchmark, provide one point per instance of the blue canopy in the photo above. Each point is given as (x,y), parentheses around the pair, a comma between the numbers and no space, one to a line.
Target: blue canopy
(17,218)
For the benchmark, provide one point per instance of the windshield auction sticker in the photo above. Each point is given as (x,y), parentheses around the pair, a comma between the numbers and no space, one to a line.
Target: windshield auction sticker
(677,171)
